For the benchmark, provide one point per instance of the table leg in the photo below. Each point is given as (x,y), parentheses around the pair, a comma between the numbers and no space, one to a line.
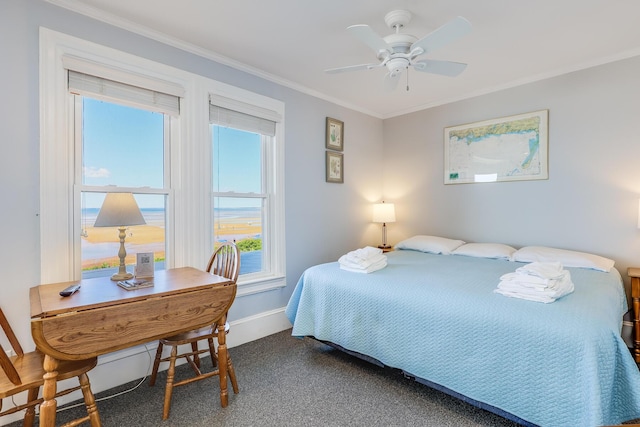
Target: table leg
(48,406)
(222,362)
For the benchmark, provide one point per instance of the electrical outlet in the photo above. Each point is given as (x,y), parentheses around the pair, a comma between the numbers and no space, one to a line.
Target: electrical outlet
(10,353)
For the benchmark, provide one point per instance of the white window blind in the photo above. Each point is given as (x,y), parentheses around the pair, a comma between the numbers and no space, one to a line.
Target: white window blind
(110,90)
(229,113)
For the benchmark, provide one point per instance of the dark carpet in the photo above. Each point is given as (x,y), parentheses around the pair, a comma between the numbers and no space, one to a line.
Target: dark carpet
(286,381)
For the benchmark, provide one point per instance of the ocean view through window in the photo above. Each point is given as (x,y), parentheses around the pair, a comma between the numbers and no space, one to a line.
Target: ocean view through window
(122,147)
(114,138)
(239,196)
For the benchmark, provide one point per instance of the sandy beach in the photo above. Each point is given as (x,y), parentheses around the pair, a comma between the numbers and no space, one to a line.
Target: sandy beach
(150,238)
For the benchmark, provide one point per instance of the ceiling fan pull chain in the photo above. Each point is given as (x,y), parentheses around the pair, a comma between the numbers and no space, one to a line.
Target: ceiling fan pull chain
(407,79)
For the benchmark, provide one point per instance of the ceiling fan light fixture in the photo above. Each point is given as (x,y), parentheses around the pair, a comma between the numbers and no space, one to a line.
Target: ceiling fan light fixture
(396,66)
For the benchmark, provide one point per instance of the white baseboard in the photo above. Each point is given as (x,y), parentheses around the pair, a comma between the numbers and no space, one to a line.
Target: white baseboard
(134,363)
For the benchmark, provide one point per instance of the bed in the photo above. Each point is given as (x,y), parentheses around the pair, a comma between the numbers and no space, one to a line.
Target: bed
(436,317)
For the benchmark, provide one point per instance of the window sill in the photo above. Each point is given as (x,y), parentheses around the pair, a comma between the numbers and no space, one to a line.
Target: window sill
(257,285)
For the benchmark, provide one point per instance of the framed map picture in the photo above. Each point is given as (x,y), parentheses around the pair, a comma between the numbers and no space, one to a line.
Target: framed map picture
(334,134)
(513,148)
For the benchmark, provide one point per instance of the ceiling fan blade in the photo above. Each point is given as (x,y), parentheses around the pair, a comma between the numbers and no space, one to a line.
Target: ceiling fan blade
(444,35)
(351,68)
(444,68)
(369,37)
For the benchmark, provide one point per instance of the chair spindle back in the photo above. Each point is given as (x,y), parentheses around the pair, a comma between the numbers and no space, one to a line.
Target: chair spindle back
(225,261)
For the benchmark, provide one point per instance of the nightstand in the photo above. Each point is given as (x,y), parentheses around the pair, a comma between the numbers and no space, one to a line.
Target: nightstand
(634,274)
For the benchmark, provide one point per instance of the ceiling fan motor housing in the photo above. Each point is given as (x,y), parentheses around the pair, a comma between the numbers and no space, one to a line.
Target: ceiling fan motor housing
(400,43)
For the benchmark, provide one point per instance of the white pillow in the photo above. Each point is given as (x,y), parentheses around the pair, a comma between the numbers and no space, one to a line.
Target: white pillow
(565,257)
(485,250)
(432,244)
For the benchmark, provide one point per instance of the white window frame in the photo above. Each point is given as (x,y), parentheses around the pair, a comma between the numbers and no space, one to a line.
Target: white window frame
(189,202)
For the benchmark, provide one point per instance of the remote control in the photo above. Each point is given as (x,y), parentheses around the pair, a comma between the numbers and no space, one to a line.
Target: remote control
(69,291)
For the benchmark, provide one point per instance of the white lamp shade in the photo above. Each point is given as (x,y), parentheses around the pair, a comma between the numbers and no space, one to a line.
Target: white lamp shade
(118,210)
(384,212)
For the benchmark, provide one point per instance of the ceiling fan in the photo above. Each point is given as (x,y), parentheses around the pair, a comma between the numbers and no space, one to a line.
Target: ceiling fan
(399,51)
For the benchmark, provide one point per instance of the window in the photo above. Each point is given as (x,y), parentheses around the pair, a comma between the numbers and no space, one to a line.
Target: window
(120,147)
(242,146)
(122,135)
(111,121)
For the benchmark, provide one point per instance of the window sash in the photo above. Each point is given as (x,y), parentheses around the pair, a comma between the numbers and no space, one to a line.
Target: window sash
(79,187)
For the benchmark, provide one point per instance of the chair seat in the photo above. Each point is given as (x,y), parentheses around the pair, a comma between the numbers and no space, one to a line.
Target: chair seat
(29,367)
(25,372)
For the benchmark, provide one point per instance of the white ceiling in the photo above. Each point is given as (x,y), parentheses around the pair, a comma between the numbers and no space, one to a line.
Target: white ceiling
(292,42)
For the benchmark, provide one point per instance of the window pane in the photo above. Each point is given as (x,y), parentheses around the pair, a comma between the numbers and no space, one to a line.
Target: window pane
(237,161)
(240,219)
(100,245)
(121,145)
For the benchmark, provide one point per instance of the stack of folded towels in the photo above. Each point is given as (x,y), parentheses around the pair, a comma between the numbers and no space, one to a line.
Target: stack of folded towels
(364,260)
(538,281)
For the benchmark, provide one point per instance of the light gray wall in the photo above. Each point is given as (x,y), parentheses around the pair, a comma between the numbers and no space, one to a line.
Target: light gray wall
(322,220)
(590,201)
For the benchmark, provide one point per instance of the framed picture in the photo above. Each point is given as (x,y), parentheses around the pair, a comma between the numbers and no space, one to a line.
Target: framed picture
(144,264)
(335,167)
(335,134)
(513,148)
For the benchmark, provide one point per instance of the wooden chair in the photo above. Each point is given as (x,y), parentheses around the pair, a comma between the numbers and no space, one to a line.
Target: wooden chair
(225,262)
(24,372)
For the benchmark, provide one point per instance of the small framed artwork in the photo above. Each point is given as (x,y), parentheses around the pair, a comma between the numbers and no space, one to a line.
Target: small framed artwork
(335,167)
(144,264)
(335,134)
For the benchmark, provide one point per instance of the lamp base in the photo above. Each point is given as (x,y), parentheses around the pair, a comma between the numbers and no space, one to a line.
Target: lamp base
(384,246)
(121,276)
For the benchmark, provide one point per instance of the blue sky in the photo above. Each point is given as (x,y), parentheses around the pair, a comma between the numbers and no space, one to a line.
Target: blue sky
(123,146)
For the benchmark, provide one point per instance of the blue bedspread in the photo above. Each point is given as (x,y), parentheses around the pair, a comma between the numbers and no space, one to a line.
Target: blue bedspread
(436,317)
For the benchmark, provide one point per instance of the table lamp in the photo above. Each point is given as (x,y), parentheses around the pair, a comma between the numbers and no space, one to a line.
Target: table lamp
(120,210)
(384,213)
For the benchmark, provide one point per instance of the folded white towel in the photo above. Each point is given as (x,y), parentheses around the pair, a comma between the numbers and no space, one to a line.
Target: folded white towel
(358,263)
(545,270)
(530,280)
(362,258)
(557,288)
(554,289)
(369,269)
